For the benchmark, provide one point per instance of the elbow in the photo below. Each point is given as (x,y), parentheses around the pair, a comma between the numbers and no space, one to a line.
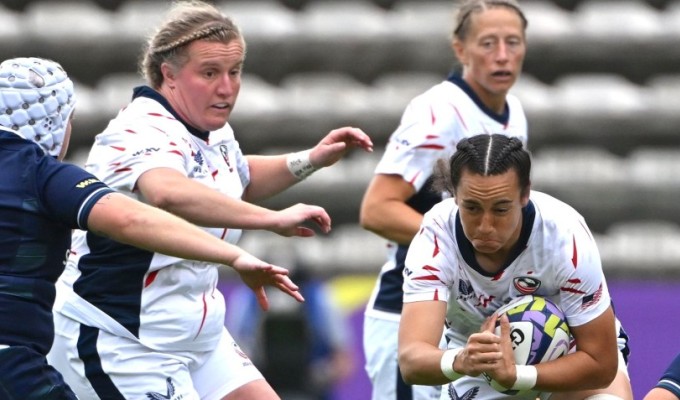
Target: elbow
(408,372)
(606,376)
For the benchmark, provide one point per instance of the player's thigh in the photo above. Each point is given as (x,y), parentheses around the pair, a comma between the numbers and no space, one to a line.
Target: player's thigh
(228,373)
(100,365)
(380,339)
(25,375)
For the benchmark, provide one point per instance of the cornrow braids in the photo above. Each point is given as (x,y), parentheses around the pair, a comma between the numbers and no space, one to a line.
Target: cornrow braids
(485,155)
(462,26)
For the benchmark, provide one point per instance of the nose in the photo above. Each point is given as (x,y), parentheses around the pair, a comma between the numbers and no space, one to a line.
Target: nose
(227,85)
(502,53)
(486,223)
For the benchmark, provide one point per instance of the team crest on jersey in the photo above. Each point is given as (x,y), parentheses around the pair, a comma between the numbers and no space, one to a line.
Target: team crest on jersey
(526,284)
(170,393)
(225,154)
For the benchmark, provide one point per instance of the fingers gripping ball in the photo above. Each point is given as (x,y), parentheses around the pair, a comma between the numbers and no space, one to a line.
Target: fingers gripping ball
(538,332)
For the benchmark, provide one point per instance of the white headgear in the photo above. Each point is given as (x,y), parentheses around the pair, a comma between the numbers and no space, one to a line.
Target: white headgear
(36,101)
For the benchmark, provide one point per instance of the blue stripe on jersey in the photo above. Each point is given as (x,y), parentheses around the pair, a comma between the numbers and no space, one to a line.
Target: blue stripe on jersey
(87,351)
(41,200)
(112,279)
(468,252)
(390,296)
(503,119)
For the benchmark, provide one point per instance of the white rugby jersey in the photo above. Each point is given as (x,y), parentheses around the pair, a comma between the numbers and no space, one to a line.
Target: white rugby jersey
(164,302)
(556,257)
(430,128)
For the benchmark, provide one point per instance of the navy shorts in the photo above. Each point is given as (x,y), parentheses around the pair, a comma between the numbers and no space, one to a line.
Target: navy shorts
(25,375)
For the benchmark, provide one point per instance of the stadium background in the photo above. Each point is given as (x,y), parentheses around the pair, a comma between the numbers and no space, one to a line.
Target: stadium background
(601,90)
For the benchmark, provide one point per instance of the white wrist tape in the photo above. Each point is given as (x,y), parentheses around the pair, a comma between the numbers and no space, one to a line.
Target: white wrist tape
(299,164)
(526,377)
(446,364)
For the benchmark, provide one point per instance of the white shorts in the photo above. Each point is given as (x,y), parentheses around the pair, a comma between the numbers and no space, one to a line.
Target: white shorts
(380,348)
(97,364)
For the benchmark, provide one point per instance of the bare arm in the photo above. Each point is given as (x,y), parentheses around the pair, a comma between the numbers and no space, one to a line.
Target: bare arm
(269,175)
(170,190)
(384,210)
(420,331)
(132,222)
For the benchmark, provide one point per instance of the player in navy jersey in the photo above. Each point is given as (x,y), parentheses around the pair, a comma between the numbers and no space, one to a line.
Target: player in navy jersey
(495,240)
(134,323)
(43,199)
(489,42)
(668,387)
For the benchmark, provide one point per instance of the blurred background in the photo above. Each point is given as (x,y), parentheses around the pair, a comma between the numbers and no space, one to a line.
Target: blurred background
(601,90)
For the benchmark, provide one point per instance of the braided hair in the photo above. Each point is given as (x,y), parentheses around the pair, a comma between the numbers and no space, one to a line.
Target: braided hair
(187,22)
(485,155)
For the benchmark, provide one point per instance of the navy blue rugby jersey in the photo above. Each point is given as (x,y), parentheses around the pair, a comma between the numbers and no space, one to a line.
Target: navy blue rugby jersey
(41,201)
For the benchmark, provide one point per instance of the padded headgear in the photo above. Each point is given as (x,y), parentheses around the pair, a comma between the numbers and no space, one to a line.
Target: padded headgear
(36,101)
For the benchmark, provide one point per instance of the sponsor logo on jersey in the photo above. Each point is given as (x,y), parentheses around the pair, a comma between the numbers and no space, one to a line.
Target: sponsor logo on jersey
(170,393)
(146,151)
(468,395)
(526,284)
(86,183)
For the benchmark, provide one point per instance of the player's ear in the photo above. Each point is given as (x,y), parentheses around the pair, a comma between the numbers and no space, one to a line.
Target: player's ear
(168,74)
(524,198)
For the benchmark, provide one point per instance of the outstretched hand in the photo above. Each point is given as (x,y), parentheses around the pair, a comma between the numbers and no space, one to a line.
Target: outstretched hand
(337,143)
(289,222)
(257,274)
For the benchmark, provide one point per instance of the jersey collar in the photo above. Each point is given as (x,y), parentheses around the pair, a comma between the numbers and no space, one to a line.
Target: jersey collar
(148,92)
(468,253)
(502,119)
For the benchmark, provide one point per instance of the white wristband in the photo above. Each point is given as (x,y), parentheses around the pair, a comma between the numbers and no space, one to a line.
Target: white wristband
(446,364)
(299,164)
(526,377)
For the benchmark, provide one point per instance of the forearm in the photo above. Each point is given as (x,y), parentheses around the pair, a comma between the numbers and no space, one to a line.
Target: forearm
(420,365)
(393,220)
(576,371)
(146,227)
(269,176)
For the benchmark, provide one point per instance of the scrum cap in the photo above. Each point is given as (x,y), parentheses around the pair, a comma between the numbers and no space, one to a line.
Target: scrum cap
(36,101)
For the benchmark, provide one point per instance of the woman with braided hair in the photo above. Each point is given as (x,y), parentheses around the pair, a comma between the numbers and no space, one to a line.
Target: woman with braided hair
(132,324)
(489,41)
(43,199)
(492,241)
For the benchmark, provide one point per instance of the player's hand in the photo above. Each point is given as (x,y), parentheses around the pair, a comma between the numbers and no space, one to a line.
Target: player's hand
(337,143)
(482,351)
(290,221)
(503,371)
(257,274)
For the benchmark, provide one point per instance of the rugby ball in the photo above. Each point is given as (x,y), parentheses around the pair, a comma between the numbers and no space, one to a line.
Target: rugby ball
(538,332)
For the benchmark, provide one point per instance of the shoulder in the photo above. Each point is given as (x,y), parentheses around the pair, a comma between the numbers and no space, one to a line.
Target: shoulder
(555,215)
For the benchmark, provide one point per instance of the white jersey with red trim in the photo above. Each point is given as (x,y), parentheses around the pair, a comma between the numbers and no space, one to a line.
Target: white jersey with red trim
(430,128)
(163,302)
(556,257)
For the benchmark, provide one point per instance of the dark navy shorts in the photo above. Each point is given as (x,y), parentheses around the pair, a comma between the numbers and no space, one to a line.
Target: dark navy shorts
(25,375)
